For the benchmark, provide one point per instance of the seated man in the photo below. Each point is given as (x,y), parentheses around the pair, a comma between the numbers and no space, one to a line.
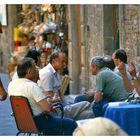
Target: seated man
(109,86)
(50,79)
(3,94)
(50,82)
(26,86)
(35,56)
(89,95)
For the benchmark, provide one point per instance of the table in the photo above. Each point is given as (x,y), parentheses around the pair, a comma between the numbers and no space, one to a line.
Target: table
(126,116)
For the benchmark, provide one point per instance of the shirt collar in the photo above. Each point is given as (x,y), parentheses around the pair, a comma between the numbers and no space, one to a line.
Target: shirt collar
(51,68)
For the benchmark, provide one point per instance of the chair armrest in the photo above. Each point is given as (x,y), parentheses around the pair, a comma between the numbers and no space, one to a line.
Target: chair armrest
(59,106)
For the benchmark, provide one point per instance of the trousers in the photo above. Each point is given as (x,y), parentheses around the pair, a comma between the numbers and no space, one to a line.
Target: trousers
(53,127)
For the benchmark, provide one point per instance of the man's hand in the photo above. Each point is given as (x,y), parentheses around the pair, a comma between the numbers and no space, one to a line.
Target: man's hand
(3,93)
(90,94)
(3,96)
(98,96)
(122,68)
(132,70)
(56,99)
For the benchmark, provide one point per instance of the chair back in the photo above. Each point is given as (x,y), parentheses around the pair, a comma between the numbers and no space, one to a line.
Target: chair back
(23,114)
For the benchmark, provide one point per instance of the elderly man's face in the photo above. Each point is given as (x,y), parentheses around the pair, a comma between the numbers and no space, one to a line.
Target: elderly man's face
(60,62)
(34,73)
(93,69)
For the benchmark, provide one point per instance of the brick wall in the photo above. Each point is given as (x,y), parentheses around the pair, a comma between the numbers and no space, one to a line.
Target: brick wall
(129,28)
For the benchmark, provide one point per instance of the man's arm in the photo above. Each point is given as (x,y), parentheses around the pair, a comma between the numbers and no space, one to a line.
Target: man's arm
(90,93)
(135,78)
(128,85)
(136,83)
(44,105)
(53,97)
(3,93)
(49,93)
(98,96)
(132,70)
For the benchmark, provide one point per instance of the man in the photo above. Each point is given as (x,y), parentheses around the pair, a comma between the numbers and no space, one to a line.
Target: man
(50,79)
(118,57)
(26,86)
(3,94)
(36,57)
(89,95)
(50,82)
(109,86)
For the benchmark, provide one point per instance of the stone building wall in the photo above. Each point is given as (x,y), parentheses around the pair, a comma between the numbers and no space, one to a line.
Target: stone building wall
(91,28)
(130,31)
(73,57)
(97,37)
(94,39)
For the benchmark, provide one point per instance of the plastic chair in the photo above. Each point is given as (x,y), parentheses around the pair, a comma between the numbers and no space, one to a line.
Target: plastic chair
(24,116)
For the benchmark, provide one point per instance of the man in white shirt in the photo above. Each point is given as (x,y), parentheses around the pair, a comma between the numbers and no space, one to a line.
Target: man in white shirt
(26,86)
(50,79)
(50,82)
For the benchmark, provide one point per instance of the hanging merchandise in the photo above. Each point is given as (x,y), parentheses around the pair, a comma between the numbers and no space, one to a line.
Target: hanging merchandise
(26,7)
(48,7)
(45,28)
(17,38)
(46,23)
(45,7)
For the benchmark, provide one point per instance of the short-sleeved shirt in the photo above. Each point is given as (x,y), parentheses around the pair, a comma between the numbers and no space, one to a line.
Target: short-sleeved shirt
(50,80)
(111,85)
(127,72)
(28,89)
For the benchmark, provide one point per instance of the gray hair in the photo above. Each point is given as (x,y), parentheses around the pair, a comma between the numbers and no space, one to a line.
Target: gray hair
(98,61)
